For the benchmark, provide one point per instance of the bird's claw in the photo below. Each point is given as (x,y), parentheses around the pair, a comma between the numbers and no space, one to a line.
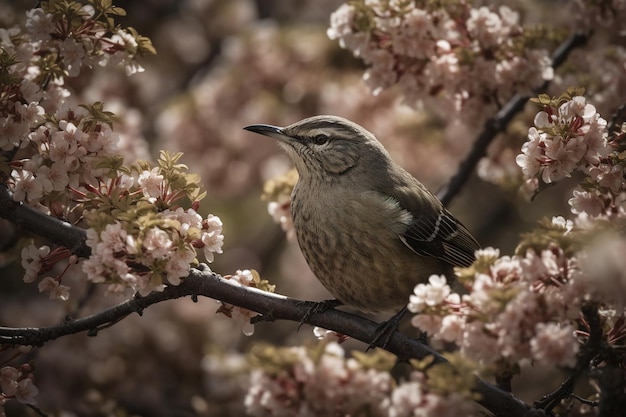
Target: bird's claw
(386,329)
(318,307)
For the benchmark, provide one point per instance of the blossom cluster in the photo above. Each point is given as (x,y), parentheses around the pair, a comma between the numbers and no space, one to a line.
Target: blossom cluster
(37,260)
(68,154)
(460,60)
(322,381)
(51,143)
(564,138)
(17,383)
(519,309)
(526,308)
(568,136)
(140,238)
(65,160)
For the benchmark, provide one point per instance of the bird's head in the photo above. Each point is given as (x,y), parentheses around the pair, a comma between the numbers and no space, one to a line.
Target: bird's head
(326,146)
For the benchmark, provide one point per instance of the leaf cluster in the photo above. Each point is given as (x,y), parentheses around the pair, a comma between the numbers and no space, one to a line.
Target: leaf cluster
(546,100)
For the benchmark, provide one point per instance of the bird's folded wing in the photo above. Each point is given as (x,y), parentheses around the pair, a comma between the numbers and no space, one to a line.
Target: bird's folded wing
(442,236)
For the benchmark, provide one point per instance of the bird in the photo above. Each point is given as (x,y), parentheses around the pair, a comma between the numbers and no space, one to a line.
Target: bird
(369,230)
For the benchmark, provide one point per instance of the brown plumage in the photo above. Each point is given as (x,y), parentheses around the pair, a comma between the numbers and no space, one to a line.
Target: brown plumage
(368,229)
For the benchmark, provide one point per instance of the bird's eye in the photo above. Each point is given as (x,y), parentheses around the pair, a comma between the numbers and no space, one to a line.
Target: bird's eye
(319,139)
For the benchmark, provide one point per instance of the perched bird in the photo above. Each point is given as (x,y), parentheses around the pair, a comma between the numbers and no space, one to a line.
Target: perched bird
(367,228)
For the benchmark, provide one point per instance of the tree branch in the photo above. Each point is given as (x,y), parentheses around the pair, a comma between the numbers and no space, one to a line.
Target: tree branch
(32,220)
(588,351)
(497,124)
(208,284)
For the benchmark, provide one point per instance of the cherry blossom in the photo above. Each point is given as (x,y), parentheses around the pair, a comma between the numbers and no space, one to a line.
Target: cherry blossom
(451,59)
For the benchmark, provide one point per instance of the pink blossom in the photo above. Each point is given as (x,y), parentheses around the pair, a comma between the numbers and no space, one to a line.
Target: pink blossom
(381,75)
(31,261)
(27,186)
(485,26)
(563,140)
(212,236)
(563,157)
(479,344)
(64,144)
(528,160)
(188,218)
(427,323)
(328,384)
(55,290)
(554,344)
(560,221)
(152,183)
(157,243)
(11,132)
(452,327)
(13,383)
(281,213)
(39,24)
(124,58)
(341,28)
(609,176)
(26,391)
(243,278)
(406,399)
(588,202)
(30,113)
(53,178)
(177,267)
(429,295)
(73,55)
(9,380)
(114,237)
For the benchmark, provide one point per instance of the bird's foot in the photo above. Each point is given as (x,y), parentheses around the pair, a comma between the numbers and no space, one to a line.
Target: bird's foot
(386,329)
(318,307)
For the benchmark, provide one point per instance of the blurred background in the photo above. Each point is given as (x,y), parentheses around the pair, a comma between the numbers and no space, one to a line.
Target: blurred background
(221,65)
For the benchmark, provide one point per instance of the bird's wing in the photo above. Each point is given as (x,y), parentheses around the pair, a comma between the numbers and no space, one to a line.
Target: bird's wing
(434,231)
(441,236)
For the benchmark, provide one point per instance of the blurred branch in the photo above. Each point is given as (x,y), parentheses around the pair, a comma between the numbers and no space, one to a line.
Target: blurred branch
(617,119)
(497,124)
(588,351)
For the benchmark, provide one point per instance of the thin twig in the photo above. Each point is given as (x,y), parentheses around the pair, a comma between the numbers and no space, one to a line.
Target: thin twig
(497,124)
(588,351)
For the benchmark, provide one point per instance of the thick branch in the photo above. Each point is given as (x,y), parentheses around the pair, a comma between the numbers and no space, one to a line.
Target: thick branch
(497,124)
(209,284)
(36,222)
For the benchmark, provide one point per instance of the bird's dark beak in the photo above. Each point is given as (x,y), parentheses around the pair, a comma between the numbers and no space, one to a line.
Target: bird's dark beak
(268,130)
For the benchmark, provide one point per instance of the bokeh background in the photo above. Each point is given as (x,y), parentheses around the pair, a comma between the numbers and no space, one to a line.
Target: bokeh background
(221,65)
